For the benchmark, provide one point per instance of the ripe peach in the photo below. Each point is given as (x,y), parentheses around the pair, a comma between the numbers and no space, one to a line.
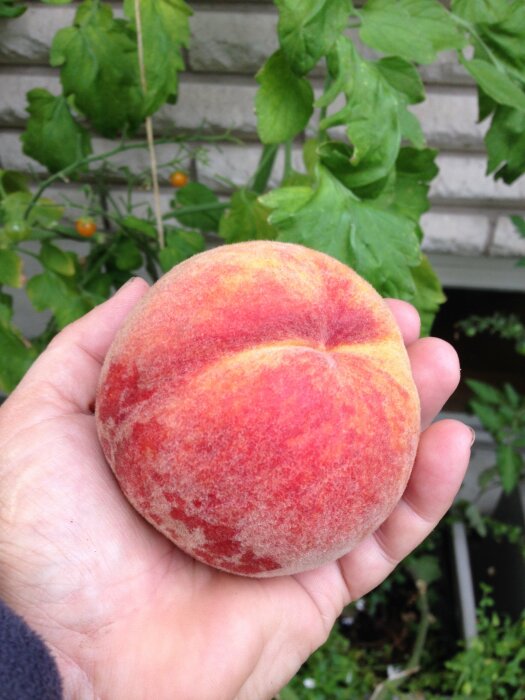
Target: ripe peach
(257,408)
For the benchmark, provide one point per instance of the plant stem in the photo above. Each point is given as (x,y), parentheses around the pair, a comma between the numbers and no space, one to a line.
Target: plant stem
(382,691)
(149,130)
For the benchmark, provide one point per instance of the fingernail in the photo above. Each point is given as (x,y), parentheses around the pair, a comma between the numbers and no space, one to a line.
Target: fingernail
(126,284)
(473,438)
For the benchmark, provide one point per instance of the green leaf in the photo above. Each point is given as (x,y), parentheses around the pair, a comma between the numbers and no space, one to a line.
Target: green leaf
(407,191)
(284,102)
(6,309)
(505,39)
(475,518)
(127,255)
(428,295)
(10,268)
(195,194)
(371,116)
(490,418)
(485,392)
(403,77)
(11,8)
(519,223)
(165,31)
(510,464)
(53,258)
(307,30)
(99,68)
(505,142)
(425,567)
(52,136)
(13,181)
(379,245)
(490,11)
(495,83)
(50,291)
(17,356)
(16,226)
(180,245)
(415,30)
(246,219)
(511,395)
(47,291)
(133,223)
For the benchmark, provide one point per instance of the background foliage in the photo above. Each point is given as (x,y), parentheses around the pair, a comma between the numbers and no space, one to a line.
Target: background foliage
(358,196)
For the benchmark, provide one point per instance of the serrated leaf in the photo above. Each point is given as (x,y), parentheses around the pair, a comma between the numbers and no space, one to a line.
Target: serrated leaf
(379,245)
(195,194)
(127,255)
(52,136)
(165,31)
(511,395)
(370,116)
(99,68)
(510,464)
(490,418)
(495,83)
(180,245)
(486,392)
(17,357)
(246,219)
(307,30)
(53,258)
(49,290)
(415,30)
(10,268)
(505,143)
(284,102)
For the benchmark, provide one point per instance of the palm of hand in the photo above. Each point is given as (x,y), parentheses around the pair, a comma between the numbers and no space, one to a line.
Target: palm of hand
(127,614)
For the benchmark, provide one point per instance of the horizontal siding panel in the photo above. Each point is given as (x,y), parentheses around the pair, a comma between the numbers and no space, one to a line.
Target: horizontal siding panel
(210,105)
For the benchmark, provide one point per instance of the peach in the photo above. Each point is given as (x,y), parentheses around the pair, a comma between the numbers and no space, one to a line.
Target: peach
(257,408)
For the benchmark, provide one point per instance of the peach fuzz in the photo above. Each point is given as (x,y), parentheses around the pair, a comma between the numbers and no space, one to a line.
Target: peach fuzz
(257,408)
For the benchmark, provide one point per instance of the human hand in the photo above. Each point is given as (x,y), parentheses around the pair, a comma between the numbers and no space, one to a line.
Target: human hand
(126,614)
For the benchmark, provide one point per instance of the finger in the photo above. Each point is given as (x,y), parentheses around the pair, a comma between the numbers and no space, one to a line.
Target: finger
(435,368)
(65,376)
(440,466)
(407,319)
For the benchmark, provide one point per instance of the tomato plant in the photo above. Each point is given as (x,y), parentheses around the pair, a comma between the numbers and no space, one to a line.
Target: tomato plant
(366,168)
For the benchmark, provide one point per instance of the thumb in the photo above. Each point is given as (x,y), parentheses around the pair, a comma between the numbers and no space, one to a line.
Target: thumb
(64,378)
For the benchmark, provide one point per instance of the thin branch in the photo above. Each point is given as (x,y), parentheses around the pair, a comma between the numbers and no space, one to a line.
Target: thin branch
(149,130)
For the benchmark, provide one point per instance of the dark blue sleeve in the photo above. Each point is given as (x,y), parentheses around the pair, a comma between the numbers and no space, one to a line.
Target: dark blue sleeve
(27,669)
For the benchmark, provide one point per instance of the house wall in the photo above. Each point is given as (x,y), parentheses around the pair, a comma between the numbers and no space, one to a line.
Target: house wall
(468,235)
